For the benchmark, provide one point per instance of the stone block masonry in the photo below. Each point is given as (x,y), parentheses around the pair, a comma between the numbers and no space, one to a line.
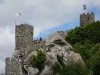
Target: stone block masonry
(87,18)
(24,38)
(24,44)
(13,67)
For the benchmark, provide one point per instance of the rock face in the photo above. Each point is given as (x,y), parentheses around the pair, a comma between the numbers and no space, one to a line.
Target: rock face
(75,58)
(32,71)
(46,71)
(54,45)
(57,46)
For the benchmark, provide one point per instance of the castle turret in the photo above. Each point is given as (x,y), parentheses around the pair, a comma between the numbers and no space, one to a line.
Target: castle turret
(23,38)
(87,18)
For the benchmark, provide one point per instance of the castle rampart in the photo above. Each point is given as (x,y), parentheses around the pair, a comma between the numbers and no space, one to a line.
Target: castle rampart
(87,18)
(13,67)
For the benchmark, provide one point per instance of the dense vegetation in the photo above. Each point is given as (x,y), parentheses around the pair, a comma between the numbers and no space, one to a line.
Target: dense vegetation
(86,41)
(39,60)
(80,34)
(71,69)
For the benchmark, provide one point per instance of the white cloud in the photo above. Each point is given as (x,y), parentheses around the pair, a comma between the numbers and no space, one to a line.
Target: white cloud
(42,14)
(6,46)
(2,66)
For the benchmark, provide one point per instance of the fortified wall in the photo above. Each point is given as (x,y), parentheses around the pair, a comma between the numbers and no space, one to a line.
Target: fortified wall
(13,67)
(87,18)
(24,38)
(23,46)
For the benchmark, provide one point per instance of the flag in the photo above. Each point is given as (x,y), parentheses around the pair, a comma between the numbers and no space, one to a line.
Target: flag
(84,7)
(19,13)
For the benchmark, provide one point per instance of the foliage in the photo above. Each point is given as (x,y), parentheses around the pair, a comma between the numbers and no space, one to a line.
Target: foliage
(94,62)
(74,69)
(39,60)
(60,59)
(86,41)
(56,68)
(80,34)
(84,49)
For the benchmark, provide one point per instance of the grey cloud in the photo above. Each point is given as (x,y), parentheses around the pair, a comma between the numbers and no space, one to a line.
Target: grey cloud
(2,1)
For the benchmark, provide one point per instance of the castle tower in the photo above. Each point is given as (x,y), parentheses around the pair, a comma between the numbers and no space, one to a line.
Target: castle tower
(87,18)
(23,38)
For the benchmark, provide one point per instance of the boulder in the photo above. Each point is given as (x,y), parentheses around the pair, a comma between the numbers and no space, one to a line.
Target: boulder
(46,71)
(32,71)
(57,45)
(75,58)
(55,38)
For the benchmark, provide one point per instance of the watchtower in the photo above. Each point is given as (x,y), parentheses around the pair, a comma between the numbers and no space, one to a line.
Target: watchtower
(23,38)
(87,18)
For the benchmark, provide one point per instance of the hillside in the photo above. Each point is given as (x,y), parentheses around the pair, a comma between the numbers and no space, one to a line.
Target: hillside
(73,53)
(86,41)
(51,56)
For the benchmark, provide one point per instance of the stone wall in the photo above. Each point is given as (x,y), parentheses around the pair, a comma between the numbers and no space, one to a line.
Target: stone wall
(86,18)
(12,67)
(24,44)
(24,38)
(62,33)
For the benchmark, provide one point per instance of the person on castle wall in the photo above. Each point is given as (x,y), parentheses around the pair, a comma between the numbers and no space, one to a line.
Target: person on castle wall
(40,40)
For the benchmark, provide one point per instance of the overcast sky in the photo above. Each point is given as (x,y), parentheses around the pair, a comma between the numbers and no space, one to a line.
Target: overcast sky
(45,15)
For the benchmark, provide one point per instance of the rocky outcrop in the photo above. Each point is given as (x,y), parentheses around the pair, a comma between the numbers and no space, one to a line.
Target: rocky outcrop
(75,58)
(46,71)
(32,71)
(57,45)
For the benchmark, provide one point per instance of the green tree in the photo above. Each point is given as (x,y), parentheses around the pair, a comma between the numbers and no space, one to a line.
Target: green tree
(86,41)
(90,32)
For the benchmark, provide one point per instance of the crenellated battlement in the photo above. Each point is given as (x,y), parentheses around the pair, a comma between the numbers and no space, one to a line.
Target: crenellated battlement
(87,18)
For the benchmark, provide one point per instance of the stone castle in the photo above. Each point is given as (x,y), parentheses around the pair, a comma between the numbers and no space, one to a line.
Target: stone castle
(23,42)
(19,63)
(87,18)
(24,46)
(24,38)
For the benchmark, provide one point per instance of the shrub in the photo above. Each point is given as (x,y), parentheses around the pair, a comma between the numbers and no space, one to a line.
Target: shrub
(39,60)
(74,69)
